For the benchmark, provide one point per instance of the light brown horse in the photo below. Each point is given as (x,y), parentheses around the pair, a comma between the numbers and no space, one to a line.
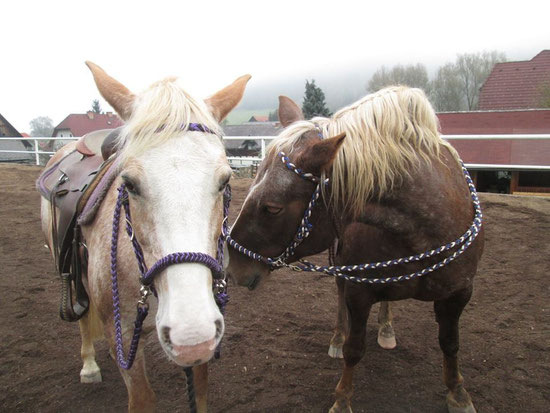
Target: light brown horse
(395,189)
(175,178)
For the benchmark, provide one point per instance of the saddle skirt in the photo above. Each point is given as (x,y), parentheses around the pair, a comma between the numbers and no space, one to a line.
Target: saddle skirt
(75,187)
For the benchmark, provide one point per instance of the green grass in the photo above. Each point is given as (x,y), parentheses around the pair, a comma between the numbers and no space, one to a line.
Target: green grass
(239,116)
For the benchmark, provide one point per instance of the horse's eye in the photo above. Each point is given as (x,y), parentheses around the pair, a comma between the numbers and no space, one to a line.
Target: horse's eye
(272,210)
(130,185)
(222,186)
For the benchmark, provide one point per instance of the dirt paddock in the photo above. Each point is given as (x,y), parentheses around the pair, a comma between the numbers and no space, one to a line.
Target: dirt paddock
(274,356)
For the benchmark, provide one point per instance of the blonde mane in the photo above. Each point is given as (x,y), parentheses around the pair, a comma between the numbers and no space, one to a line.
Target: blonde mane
(387,134)
(160,113)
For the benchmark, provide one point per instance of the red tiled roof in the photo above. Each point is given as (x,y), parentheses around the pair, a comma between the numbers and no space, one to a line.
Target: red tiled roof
(497,122)
(516,85)
(81,124)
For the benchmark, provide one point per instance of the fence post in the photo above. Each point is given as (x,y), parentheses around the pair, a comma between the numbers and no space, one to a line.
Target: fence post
(37,156)
(263,148)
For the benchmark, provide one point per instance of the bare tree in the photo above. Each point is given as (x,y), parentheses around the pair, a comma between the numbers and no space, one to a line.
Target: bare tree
(411,75)
(446,93)
(41,126)
(473,70)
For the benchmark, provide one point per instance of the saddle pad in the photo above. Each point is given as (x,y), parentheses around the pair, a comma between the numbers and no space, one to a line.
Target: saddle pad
(94,197)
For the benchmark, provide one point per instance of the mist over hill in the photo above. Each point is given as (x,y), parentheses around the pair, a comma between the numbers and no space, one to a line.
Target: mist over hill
(340,89)
(341,85)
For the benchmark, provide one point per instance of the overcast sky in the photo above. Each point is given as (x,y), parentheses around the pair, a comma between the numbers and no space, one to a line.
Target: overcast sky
(209,43)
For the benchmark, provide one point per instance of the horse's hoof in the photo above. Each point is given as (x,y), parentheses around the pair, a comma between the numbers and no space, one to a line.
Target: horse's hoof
(91,377)
(386,337)
(460,402)
(455,409)
(387,343)
(338,408)
(335,352)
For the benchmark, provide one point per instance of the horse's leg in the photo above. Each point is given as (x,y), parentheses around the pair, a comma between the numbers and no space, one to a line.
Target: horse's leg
(358,305)
(337,340)
(90,331)
(386,335)
(200,378)
(141,397)
(448,313)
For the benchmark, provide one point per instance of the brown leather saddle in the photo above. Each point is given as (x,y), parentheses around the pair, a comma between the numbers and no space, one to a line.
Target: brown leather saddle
(68,185)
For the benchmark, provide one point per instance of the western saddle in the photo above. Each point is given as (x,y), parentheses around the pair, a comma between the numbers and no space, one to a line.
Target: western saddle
(68,185)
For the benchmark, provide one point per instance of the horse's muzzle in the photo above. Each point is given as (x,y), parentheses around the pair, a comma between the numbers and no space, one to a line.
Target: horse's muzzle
(191,355)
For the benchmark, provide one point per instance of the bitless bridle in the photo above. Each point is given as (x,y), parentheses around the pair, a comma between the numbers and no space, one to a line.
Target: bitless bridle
(219,284)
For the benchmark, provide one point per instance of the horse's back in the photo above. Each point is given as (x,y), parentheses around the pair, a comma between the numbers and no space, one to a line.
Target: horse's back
(431,209)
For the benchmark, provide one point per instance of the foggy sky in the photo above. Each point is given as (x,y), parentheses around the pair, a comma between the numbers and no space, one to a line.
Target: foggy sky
(208,44)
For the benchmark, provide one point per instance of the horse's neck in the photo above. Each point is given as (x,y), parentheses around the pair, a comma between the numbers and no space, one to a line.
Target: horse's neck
(430,208)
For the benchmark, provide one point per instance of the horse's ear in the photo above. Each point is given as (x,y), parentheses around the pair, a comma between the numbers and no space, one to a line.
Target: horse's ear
(223,102)
(289,111)
(318,158)
(114,92)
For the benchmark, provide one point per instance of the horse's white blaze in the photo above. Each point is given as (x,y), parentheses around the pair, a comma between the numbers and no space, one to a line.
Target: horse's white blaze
(182,191)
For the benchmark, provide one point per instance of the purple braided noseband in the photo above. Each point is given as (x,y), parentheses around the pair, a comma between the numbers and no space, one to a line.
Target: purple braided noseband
(148,275)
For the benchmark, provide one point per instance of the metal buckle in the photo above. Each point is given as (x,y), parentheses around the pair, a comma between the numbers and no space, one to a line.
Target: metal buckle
(145,291)
(220,286)
(131,229)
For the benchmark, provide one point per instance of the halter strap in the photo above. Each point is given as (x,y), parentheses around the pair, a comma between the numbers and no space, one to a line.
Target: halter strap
(303,230)
(199,127)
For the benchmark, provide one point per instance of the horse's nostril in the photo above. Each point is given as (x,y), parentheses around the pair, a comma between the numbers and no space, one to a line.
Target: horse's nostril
(166,335)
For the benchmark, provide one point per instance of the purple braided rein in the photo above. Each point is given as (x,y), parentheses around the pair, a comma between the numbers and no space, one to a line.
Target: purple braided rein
(148,275)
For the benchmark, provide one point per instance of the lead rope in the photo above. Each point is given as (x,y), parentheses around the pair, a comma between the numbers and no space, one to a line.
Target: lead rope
(142,306)
(220,285)
(190,389)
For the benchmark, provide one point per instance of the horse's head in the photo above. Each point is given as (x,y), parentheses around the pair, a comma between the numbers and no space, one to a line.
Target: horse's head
(175,176)
(277,200)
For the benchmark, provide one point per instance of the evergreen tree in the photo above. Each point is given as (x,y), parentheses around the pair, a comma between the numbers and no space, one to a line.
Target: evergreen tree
(96,108)
(274,116)
(314,101)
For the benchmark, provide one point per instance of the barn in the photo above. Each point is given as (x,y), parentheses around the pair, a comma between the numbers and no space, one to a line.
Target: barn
(512,157)
(513,160)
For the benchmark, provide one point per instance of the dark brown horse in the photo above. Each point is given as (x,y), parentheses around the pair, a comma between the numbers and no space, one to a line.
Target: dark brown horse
(395,189)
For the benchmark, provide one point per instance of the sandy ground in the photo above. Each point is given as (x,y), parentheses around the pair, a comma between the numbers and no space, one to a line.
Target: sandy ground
(274,353)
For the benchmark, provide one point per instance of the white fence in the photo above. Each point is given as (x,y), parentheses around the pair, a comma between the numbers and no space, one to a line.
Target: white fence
(240,161)
(36,152)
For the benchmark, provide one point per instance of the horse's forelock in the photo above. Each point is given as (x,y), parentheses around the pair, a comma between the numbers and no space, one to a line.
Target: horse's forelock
(159,114)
